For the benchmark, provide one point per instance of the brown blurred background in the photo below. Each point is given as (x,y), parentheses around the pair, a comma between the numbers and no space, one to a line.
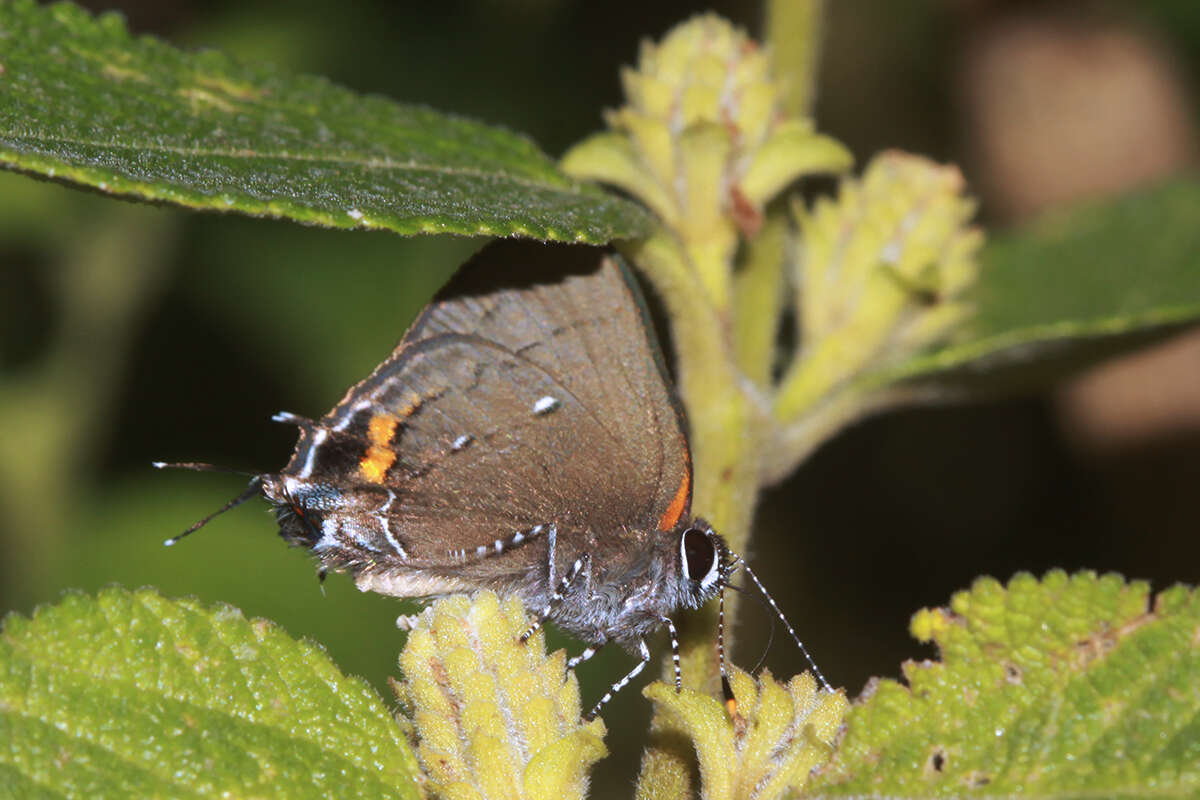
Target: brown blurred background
(129,333)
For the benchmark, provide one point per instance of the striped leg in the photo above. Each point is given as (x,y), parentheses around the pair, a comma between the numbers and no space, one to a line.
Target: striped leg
(621,684)
(575,661)
(578,568)
(674,653)
(726,688)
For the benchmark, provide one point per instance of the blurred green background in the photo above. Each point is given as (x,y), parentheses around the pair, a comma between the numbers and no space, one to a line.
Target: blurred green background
(131,333)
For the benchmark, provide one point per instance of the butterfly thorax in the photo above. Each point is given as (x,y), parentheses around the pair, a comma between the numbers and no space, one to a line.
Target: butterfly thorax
(627,588)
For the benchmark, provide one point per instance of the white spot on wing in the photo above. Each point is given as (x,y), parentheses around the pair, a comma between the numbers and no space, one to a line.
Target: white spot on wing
(545,405)
(461,442)
(354,213)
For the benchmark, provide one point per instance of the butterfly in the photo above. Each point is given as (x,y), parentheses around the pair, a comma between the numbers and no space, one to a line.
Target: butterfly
(522,437)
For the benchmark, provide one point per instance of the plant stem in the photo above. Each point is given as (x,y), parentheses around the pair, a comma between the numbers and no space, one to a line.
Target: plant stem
(727,427)
(794,32)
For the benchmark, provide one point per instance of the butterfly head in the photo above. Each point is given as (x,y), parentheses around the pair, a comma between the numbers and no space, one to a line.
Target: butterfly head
(300,508)
(705,563)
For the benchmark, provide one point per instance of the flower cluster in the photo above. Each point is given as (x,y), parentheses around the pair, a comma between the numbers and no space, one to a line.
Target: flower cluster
(493,716)
(704,140)
(776,735)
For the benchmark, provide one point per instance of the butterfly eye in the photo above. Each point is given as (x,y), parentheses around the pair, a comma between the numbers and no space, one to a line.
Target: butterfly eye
(699,556)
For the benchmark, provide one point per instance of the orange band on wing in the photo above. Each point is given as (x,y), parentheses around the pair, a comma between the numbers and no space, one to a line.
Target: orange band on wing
(375,464)
(381,429)
(411,406)
(379,457)
(674,511)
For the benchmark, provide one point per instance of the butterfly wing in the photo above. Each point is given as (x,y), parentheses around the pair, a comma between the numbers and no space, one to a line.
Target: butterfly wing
(529,392)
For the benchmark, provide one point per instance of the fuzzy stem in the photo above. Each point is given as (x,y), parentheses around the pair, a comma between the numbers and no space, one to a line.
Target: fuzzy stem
(794,32)
(758,300)
(726,430)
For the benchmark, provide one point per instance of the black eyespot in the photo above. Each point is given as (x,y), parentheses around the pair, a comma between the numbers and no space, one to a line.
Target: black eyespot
(699,554)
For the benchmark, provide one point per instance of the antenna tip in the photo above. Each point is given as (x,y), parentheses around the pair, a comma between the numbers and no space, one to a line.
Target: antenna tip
(172,541)
(288,418)
(158,464)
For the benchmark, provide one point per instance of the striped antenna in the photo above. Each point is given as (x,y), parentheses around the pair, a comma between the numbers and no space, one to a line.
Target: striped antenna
(199,466)
(288,418)
(788,625)
(250,491)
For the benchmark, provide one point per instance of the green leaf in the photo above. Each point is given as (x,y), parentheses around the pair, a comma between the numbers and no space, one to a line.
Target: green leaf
(82,101)
(1067,687)
(1075,287)
(130,694)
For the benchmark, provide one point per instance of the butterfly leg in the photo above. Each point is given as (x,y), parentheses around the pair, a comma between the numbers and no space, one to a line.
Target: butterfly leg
(580,566)
(621,684)
(726,688)
(575,661)
(674,652)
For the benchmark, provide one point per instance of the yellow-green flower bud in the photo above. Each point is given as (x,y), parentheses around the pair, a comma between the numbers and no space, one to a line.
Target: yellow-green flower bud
(494,717)
(776,736)
(704,141)
(880,273)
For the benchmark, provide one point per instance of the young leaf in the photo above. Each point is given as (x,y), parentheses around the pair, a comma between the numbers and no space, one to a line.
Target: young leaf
(1064,687)
(84,102)
(129,694)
